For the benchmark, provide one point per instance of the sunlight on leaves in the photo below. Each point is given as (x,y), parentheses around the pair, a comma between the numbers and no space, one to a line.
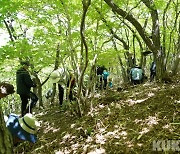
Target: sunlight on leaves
(138,121)
(73,125)
(97,151)
(101,106)
(123,133)
(97,96)
(133,102)
(59,152)
(50,128)
(112,135)
(67,136)
(152,120)
(100,139)
(151,94)
(129,144)
(166,126)
(65,151)
(75,146)
(89,139)
(144,131)
(140,144)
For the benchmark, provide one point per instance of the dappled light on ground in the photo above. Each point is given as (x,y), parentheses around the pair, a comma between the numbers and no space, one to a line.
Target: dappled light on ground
(118,122)
(132,102)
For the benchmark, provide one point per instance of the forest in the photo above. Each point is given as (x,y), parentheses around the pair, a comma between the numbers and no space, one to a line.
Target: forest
(77,38)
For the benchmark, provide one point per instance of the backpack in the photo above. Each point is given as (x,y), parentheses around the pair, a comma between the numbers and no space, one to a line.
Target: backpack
(136,74)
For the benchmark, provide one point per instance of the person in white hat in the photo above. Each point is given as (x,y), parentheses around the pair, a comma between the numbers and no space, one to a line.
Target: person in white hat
(22,129)
(59,76)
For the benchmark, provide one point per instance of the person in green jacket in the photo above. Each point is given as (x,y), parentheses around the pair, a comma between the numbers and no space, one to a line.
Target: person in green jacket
(24,84)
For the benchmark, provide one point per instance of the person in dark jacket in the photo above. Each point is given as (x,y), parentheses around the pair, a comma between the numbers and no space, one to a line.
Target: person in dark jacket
(24,84)
(99,71)
(152,71)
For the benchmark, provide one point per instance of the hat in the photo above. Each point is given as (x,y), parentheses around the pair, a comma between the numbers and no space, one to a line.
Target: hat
(24,128)
(27,63)
(28,123)
(55,76)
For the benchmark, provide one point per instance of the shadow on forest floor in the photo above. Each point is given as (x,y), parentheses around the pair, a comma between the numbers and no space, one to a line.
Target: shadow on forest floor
(120,122)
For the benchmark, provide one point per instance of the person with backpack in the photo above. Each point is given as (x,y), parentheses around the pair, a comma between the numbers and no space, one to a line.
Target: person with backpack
(59,76)
(22,128)
(136,74)
(105,76)
(24,84)
(152,71)
(99,72)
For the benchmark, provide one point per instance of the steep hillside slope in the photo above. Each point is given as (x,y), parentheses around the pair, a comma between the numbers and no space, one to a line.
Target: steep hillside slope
(129,121)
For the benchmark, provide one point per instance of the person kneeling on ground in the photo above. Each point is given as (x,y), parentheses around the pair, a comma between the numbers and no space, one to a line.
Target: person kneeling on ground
(22,129)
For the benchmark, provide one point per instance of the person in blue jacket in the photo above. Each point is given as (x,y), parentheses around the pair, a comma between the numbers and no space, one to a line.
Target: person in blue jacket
(136,74)
(22,128)
(105,77)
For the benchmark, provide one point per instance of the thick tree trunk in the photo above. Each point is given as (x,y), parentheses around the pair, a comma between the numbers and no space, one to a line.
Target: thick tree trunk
(176,65)
(177,60)
(5,138)
(154,44)
(160,70)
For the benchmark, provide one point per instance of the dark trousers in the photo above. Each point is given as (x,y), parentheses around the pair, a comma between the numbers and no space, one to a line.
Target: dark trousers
(152,75)
(61,94)
(105,83)
(24,102)
(135,82)
(71,95)
(34,100)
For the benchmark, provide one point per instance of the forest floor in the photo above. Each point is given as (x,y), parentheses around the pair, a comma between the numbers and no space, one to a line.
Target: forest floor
(126,121)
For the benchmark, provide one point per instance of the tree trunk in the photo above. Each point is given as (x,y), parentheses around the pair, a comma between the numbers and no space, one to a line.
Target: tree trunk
(6,146)
(177,60)
(133,21)
(176,65)
(86,5)
(154,44)
(124,74)
(56,65)
(160,70)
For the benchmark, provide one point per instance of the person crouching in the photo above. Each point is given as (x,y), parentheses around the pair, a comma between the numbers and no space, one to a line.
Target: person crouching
(22,129)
